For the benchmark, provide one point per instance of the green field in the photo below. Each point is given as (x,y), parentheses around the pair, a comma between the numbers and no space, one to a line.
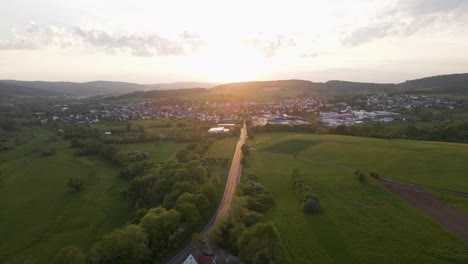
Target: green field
(39,215)
(223,148)
(159,151)
(437,164)
(359,223)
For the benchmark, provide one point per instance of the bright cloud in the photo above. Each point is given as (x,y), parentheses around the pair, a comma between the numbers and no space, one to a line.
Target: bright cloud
(157,41)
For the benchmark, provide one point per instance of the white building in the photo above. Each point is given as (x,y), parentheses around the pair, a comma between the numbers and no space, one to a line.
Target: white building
(216,130)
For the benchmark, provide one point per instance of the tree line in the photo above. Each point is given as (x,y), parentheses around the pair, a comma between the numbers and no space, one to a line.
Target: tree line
(310,201)
(245,232)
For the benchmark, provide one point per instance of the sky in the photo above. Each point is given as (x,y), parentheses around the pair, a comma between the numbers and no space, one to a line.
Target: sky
(152,41)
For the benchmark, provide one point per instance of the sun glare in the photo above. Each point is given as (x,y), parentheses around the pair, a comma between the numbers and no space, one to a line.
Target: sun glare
(230,62)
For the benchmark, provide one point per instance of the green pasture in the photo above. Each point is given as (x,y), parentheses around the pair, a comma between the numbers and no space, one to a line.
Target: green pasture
(39,215)
(359,223)
(437,164)
(159,151)
(223,148)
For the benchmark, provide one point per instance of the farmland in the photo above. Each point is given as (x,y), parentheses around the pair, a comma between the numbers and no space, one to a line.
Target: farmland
(437,164)
(40,215)
(359,223)
(223,148)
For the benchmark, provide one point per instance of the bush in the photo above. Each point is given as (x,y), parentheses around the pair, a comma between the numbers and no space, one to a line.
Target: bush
(47,152)
(75,183)
(311,206)
(374,175)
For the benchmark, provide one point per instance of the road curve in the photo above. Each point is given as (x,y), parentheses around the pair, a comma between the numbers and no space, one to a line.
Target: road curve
(233,179)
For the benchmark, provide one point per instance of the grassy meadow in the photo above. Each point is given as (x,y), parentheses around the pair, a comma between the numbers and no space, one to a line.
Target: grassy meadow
(437,164)
(158,151)
(223,148)
(39,215)
(359,223)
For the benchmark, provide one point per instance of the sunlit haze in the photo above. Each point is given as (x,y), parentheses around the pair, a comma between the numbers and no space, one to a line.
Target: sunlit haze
(149,41)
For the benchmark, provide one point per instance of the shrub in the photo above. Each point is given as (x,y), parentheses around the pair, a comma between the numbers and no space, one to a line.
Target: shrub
(311,206)
(75,183)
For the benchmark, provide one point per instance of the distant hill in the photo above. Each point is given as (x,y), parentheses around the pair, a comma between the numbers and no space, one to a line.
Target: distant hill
(449,84)
(179,85)
(95,88)
(9,91)
(86,89)
(456,84)
(298,87)
(344,87)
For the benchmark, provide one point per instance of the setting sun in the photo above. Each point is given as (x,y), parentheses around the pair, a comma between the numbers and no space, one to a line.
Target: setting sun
(229,62)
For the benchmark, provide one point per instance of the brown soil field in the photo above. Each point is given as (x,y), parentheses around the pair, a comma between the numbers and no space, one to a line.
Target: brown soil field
(450,218)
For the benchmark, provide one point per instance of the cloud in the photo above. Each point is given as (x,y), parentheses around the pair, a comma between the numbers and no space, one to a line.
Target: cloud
(424,7)
(269,46)
(367,33)
(144,45)
(408,17)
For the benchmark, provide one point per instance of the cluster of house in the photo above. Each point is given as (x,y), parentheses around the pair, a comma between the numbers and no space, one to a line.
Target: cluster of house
(405,101)
(268,112)
(351,117)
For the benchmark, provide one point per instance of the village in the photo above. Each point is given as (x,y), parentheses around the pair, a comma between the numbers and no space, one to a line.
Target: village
(329,111)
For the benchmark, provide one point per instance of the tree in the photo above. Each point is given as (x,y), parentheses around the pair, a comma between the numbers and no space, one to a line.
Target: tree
(189,214)
(311,206)
(361,175)
(162,227)
(70,255)
(192,165)
(183,155)
(200,174)
(122,246)
(412,131)
(75,183)
(199,200)
(259,244)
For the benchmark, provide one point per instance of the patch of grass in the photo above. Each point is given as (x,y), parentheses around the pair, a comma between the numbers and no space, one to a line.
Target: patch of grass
(223,148)
(291,146)
(159,151)
(359,223)
(39,214)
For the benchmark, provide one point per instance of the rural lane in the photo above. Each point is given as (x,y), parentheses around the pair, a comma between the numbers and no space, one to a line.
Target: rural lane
(233,179)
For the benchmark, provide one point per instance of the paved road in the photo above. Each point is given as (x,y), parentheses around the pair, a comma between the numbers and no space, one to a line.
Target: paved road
(232,180)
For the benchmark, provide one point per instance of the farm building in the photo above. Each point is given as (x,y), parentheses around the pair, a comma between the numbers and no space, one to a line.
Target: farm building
(216,130)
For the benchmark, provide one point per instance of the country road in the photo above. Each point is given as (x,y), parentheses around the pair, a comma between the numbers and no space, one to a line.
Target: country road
(231,183)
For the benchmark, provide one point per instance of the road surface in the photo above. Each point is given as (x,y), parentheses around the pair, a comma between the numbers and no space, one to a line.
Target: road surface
(232,180)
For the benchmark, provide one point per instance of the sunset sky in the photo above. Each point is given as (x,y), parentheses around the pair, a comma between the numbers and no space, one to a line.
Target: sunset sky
(148,41)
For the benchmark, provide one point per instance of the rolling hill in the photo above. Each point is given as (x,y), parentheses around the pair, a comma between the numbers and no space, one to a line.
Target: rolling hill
(450,84)
(96,88)
(86,89)
(179,85)
(447,84)
(9,91)
(456,84)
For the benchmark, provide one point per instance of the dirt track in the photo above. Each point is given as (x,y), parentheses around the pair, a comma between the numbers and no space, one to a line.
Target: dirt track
(452,219)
